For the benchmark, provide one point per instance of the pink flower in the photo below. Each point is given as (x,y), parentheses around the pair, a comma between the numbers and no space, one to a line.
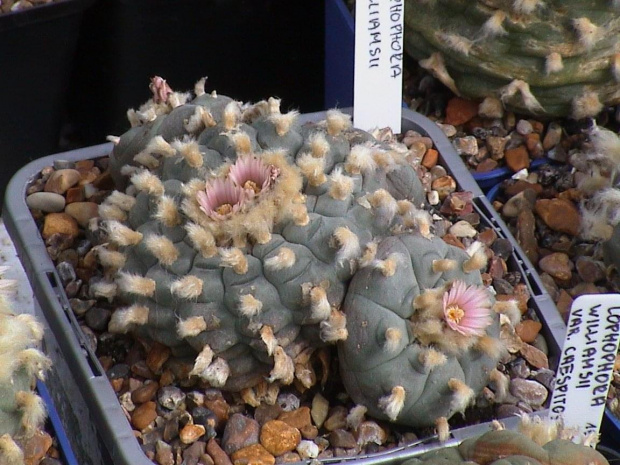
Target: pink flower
(161,90)
(253,175)
(467,310)
(221,198)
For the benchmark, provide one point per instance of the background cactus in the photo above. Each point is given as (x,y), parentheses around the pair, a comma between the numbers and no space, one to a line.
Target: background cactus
(22,411)
(536,442)
(554,58)
(240,233)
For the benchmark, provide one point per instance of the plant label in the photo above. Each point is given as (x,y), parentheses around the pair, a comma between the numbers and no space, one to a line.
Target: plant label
(378,75)
(587,361)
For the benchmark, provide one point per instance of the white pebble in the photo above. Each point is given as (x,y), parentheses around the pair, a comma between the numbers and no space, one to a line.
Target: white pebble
(307,449)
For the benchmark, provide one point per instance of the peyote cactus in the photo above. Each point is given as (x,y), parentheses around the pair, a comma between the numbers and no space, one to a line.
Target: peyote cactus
(537,442)
(554,58)
(22,411)
(240,233)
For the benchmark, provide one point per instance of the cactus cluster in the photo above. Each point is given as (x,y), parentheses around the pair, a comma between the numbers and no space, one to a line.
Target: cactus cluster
(536,442)
(22,411)
(252,240)
(554,58)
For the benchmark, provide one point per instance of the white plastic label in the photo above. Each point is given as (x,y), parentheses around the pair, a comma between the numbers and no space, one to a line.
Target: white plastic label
(377,92)
(587,362)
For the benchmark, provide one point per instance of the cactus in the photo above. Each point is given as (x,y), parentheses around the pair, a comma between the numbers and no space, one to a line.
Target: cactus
(239,235)
(22,411)
(536,442)
(553,58)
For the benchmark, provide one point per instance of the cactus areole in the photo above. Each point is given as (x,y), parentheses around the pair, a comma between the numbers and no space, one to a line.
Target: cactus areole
(250,241)
(552,58)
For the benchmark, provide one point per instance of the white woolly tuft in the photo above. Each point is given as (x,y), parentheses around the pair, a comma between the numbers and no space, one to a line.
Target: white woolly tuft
(335,328)
(10,452)
(104,289)
(283,122)
(455,42)
(202,240)
(190,151)
(462,395)
(356,417)
(492,27)
(162,248)
(196,122)
(167,212)
(477,257)
(176,99)
(586,105)
(188,287)
(34,326)
(607,143)
(501,383)
(341,185)
(369,254)
(231,115)
(158,145)
(121,234)
(110,258)
(587,32)
(273,105)
(432,358)
(270,340)
(283,367)
(123,201)
(312,168)
(148,182)
(135,284)
(382,200)
(217,373)
(234,258)
(249,306)
(360,160)
(526,6)
(35,362)
(348,244)
(319,147)
(300,215)
(337,122)
(393,403)
(147,160)
(124,319)
(553,63)
(243,144)
(199,87)
(436,65)
(389,265)
(129,170)
(33,411)
(146,115)
(285,258)
(111,212)
(320,309)
(133,119)
(190,327)
(443,265)
(203,360)
(510,308)
(393,338)
(518,86)
(442,427)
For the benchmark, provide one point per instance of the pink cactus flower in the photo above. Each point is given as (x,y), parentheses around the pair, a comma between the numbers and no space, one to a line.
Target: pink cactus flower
(161,90)
(253,175)
(467,309)
(221,199)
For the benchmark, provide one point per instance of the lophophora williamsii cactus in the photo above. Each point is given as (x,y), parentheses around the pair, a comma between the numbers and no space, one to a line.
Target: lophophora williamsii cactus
(22,411)
(536,442)
(556,58)
(241,229)
(239,235)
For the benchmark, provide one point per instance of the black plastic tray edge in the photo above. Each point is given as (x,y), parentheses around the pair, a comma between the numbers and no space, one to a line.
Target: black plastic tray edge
(117,435)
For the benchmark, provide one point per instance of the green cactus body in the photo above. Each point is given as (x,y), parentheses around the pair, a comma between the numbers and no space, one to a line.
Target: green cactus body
(553,58)
(249,285)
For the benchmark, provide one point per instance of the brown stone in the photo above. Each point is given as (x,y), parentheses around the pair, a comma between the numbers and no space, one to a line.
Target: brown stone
(157,356)
(84,165)
(460,111)
(144,393)
(590,270)
(496,146)
(143,415)
(337,418)
(520,185)
(60,223)
(535,357)
(342,438)
(87,177)
(191,433)
(61,180)
(82,212)
(279,437)
(240,432)
(35,447)
(524,200)
(534,146)
(218,405)
(526,234)
(309,432)
(453,240)
(488,236)
(253,455)
(444,185)
(486,165)
(517,158)
(104,181)
(558,265)
(522,294)
(527,330)
(298,418)
(74,194)
(217,453)
(430,158)
(559,214)
(564,303)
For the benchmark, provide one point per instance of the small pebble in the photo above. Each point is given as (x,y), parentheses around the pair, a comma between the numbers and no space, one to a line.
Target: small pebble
(170,397)
(278,437)
(529,391)
(191,433)
(47,202)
